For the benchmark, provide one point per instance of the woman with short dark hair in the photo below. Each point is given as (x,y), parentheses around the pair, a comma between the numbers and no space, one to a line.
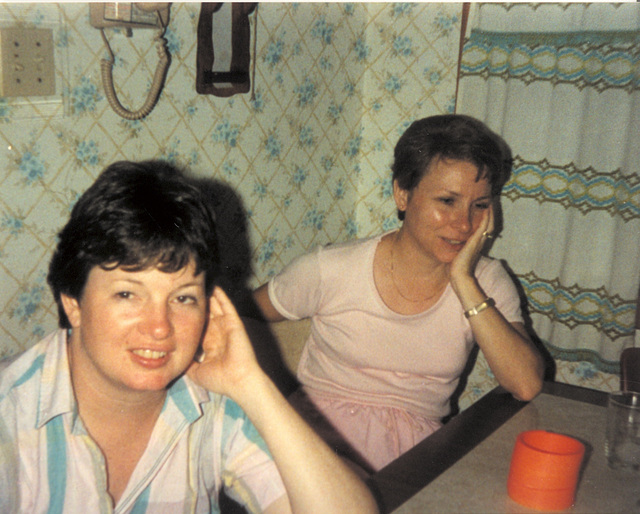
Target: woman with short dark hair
(395,316)
(150,398)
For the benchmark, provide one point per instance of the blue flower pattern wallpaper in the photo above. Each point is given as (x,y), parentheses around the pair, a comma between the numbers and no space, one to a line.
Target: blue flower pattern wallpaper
(307,151)
(305,154)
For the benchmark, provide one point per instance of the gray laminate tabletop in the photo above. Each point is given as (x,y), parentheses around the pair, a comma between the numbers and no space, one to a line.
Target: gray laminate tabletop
(477,483)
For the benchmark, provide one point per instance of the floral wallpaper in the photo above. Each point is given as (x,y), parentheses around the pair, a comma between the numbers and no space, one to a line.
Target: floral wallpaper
(303,159)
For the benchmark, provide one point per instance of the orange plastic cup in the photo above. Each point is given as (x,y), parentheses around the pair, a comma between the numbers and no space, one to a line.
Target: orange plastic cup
(544,470)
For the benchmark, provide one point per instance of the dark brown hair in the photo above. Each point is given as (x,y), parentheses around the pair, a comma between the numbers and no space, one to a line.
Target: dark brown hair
(451,136)
(134,216)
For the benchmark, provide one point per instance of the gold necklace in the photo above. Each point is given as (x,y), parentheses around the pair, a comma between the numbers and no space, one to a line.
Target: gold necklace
(395,285)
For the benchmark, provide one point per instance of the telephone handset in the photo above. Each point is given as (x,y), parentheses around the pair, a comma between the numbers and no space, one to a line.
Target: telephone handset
(128,16)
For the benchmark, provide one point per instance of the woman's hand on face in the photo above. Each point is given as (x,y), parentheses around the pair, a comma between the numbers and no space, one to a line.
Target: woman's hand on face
(228,357)
(465,262)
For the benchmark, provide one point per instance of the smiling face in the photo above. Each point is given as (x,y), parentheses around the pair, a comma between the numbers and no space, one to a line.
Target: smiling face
(444,209)
(136,330)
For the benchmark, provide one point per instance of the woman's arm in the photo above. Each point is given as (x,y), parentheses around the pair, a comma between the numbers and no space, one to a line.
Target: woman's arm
(512,356)
(315,478)
(261,297)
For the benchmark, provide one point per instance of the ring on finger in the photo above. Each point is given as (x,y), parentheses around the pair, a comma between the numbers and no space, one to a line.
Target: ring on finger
(199,356)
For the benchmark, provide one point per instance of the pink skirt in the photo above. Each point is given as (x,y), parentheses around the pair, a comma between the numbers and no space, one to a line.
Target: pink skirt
(371,435)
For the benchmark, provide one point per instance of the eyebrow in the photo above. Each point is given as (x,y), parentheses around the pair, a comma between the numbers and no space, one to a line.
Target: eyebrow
(455,193)
(193,283)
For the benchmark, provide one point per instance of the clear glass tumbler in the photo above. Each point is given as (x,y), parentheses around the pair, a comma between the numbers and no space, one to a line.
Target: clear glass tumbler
(622,444)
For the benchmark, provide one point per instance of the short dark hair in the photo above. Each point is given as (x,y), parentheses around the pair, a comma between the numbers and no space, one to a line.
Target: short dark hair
(451,136)
(136,215)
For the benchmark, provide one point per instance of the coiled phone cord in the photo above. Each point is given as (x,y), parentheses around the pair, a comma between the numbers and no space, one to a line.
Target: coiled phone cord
(106,68)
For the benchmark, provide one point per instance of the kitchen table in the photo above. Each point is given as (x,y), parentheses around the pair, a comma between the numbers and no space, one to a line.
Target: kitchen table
(463,467)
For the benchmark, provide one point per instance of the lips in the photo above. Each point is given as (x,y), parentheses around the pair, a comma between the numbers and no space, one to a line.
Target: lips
(454,243)
(150,358)
(149,354)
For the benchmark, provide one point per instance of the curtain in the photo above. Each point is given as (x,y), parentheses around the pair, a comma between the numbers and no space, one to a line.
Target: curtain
(560,83)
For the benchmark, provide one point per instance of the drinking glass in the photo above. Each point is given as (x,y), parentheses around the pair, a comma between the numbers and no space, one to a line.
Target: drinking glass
(622,444)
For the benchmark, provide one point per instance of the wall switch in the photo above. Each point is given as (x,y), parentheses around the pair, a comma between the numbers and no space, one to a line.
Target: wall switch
(26,62)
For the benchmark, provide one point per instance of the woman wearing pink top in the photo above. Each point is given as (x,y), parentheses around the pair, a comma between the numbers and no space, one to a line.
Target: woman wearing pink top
(395,317)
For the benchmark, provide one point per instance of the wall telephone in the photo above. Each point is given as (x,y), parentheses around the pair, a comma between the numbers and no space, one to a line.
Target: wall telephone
(129,16)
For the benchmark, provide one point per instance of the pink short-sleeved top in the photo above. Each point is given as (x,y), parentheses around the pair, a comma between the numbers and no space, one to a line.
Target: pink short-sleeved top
(361,350)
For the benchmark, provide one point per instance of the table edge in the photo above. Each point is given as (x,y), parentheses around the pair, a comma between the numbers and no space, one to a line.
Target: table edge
(411,472)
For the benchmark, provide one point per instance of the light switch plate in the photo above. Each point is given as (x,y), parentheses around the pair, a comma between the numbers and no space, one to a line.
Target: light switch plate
(27,65)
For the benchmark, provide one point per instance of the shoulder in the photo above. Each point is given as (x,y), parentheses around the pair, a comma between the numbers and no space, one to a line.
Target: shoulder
(26,368)
(309,283)
(494,277)
(489,268)
(341,249)
(354,250)
(327,259)
(501,285)
(35,386)
(352,245)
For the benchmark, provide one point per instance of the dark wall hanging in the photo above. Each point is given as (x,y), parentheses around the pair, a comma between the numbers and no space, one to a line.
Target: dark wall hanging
(223,58)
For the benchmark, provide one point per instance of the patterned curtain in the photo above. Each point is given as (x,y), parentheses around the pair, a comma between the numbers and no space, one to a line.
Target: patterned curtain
(561,82)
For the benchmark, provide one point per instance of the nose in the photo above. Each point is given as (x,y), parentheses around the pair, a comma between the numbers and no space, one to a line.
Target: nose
(157,322)
(463,220)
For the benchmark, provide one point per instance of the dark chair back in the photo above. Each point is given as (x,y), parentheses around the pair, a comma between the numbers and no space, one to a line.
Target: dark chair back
(630,369)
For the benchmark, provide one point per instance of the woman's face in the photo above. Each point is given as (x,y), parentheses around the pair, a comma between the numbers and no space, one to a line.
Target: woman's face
(136,330)
(445,208)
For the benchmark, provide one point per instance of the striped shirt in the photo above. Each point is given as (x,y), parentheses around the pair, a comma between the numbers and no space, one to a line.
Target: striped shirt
(202,442)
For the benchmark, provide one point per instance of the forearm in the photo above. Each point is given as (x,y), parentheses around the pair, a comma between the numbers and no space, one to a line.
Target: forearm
(515,362)
(513,358)
(316,479)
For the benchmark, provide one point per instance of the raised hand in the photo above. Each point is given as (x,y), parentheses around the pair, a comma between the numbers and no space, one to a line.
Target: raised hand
(228,358)
(465,262)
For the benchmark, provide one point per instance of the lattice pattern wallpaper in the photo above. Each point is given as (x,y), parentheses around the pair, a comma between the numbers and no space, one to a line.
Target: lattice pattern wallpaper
(305,156)
(302,160)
